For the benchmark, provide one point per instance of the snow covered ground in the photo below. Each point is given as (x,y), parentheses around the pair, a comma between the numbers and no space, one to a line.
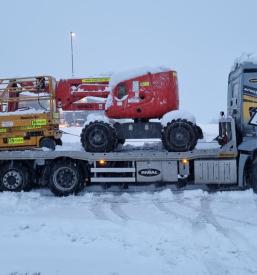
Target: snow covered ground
(164,232)
(189,232)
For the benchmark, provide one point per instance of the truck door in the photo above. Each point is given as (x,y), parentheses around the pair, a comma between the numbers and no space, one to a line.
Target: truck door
(234,100)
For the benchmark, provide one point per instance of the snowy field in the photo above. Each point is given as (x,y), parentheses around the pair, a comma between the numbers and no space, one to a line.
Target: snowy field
(152,233)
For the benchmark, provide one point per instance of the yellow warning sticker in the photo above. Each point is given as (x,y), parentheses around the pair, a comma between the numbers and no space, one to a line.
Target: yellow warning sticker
(38,122)
(15,140)
(3,130)
(95,79)
(145,84)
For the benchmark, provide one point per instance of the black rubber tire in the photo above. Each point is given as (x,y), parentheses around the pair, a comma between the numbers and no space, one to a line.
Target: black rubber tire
(65,178)
(98,136)
(58,142)
(199,132)
(121,141)
(49,143)
(14,177)
(179,135)
(253,175)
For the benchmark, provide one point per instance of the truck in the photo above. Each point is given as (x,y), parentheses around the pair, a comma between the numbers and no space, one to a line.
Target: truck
(232,164)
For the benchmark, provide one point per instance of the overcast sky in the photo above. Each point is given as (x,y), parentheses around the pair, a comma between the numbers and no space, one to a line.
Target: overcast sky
(200,39)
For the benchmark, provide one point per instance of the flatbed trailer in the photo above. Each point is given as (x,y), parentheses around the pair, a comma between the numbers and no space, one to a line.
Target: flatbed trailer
(233,163)
(68,172)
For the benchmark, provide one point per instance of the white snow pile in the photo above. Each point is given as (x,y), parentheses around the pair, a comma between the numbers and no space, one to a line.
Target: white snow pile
(178,114)
(28,93)
(132,73)
(91,99)
(108,102)
(100,117)
(245,58)
(181,233)
(25,111)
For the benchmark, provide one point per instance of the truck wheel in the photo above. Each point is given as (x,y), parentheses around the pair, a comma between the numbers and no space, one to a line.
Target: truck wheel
(179,136)
(48,143)
(121,141)
(65,179)
(98,136)
(13,177)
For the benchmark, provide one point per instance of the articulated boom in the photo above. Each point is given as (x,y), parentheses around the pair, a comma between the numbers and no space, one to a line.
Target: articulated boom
(71,94)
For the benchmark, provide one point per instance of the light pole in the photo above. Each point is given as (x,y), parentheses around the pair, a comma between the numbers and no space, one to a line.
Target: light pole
(72,34)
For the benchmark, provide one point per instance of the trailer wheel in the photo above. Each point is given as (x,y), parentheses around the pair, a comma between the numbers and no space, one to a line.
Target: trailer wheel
(58,142)
(179,136)
(121,141)
(49,143)
(98,136)
(65,178)
(14,177)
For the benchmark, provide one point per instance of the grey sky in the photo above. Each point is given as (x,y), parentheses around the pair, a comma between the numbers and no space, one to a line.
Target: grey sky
(200,39)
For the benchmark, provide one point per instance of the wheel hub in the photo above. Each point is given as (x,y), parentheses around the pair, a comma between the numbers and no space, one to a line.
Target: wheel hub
(180,137)
(98,137)
(12,179)
(65,178)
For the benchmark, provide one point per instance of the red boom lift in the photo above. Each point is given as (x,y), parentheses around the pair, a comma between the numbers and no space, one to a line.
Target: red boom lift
(148,96)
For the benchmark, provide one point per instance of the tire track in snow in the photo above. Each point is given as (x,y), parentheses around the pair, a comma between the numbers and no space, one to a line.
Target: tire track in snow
(241,245)
(118,211)
(206,216)
(161,206)
(97,210)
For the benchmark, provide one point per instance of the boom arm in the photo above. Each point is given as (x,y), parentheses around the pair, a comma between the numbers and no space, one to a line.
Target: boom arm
(71,94)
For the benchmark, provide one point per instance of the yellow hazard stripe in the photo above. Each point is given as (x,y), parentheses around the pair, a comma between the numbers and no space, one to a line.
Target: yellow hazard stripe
(95,79)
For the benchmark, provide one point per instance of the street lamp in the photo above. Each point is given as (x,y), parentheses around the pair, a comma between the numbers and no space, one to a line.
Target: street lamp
(72,34)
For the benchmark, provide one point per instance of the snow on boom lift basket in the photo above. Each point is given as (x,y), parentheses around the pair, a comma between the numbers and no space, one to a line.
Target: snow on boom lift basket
(28,114)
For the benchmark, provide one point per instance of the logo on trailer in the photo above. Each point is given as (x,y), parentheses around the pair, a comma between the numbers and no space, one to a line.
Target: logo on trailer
(149,172)
(253,80)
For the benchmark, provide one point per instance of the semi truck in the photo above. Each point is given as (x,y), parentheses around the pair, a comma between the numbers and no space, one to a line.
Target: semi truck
(232,164)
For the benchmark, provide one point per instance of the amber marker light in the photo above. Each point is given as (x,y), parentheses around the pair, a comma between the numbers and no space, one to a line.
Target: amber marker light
(102,162)
(184,161)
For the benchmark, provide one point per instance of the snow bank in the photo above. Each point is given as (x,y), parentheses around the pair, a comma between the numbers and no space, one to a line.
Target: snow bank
(121,76)
(176,115)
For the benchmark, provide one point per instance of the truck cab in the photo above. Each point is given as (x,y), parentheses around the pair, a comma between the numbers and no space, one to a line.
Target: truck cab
(242,98)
